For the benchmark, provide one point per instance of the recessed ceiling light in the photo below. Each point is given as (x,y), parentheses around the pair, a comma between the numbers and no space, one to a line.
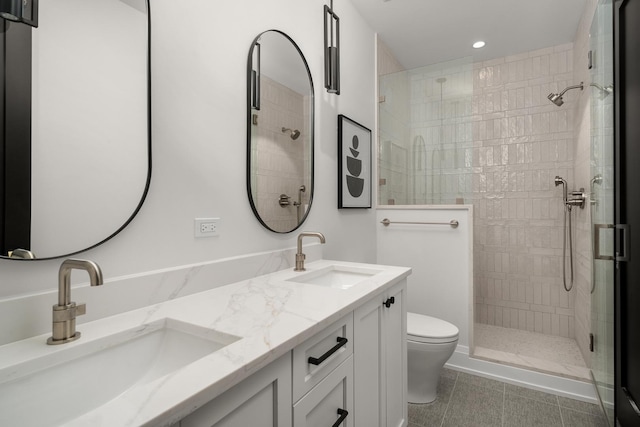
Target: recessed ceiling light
(478,44)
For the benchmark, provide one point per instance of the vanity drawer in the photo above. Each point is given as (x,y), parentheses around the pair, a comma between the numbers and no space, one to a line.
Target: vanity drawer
(330,403)
(315,358)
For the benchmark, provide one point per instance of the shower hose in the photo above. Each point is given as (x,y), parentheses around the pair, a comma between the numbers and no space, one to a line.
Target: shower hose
(567,217)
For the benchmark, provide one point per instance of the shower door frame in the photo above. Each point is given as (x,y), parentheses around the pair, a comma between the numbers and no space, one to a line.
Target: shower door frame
(627,157)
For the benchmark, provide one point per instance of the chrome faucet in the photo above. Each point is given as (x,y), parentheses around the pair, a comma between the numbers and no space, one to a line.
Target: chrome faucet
(65,312)
(299,255)
(21,254)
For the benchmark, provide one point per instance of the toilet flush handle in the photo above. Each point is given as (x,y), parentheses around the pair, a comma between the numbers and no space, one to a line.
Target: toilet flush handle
(389,301)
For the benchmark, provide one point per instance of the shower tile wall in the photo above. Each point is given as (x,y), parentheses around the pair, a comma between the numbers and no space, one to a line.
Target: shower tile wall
(521,142)
(277,156)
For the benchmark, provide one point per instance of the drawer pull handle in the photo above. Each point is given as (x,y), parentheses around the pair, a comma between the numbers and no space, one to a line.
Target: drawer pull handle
(343,416)
(389,301)
(341,342)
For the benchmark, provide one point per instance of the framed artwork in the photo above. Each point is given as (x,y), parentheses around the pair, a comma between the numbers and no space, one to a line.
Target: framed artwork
(354,164)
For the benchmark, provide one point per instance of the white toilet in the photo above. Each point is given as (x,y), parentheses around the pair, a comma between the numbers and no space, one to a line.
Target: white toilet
(430,343)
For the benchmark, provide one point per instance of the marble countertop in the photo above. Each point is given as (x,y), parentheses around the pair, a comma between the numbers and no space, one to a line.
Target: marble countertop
(271,314)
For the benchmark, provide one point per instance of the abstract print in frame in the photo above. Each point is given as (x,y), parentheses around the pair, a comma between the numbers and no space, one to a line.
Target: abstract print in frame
(354,164)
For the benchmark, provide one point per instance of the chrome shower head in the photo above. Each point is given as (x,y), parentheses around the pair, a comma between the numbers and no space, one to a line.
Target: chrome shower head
(294,133)
(556,98)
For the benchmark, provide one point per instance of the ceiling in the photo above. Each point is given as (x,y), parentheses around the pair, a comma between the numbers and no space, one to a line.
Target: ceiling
(424,32)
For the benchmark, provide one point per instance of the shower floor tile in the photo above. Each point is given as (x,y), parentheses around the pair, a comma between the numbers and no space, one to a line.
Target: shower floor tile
(539,352)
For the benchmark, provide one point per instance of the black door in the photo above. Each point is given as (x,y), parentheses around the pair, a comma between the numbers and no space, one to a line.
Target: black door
(627,299)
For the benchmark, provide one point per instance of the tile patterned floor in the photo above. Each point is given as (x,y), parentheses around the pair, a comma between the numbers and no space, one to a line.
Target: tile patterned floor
(469,400)
(538,352)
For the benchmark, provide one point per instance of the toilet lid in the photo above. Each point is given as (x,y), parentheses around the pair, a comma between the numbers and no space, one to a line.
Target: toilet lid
(428,329)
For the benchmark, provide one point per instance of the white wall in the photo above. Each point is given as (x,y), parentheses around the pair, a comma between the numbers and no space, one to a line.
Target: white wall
(440,284)
(199,59)
(89,108)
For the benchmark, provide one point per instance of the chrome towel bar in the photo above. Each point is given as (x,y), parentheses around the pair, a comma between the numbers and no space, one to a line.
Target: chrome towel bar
(453,223)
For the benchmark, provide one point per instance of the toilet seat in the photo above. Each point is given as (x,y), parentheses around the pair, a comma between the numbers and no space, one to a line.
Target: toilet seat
(427,329)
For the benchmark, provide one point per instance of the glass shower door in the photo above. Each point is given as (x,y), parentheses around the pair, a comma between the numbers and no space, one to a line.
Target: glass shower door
(602,204)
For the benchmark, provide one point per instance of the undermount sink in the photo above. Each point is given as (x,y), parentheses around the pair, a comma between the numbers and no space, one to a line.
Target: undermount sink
(335,276)
(65,384)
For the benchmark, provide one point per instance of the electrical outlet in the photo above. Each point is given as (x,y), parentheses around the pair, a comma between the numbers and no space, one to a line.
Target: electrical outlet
(206,227)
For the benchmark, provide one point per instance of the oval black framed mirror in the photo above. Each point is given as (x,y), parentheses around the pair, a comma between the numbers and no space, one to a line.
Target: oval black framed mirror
(280,132)
(90,131)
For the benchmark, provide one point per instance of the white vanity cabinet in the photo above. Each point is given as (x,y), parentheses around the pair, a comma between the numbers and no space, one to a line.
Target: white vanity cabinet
(262,400)
(352,373)
(380,360)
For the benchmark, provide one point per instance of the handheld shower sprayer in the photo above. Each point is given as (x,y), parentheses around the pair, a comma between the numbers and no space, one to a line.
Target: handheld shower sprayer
(556,98)
(567,230)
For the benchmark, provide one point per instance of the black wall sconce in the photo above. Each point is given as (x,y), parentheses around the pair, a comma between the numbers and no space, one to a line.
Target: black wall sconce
(331,50)
(25,11)
(255,76)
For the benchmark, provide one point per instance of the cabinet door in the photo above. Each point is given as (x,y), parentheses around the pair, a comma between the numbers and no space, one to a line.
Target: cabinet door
(328,402)
(380,360)
(367,354)
(395,363)
(262,400)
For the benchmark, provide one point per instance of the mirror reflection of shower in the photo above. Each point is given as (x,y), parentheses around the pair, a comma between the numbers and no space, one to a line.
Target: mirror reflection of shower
(569,200)
(293,133)
(604,90)
(285,201)
(299,205)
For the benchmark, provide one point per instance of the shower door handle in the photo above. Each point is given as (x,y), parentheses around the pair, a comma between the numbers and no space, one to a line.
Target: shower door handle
(596,241)
(622,243)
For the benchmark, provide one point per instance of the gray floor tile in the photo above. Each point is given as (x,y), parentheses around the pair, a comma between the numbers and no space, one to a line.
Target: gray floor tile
(474,405)
(469,400)
(431,414)
(480,381)
(531,394)
(449,373)
(579,406)
(582,419)
(424,415)
(520,411)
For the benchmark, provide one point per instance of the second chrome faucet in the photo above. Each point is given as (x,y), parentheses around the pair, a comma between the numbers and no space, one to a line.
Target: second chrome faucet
(299,255)
(65,312)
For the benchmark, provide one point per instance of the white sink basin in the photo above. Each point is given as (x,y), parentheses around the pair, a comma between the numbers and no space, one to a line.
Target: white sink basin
(72,381)
(335,276)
